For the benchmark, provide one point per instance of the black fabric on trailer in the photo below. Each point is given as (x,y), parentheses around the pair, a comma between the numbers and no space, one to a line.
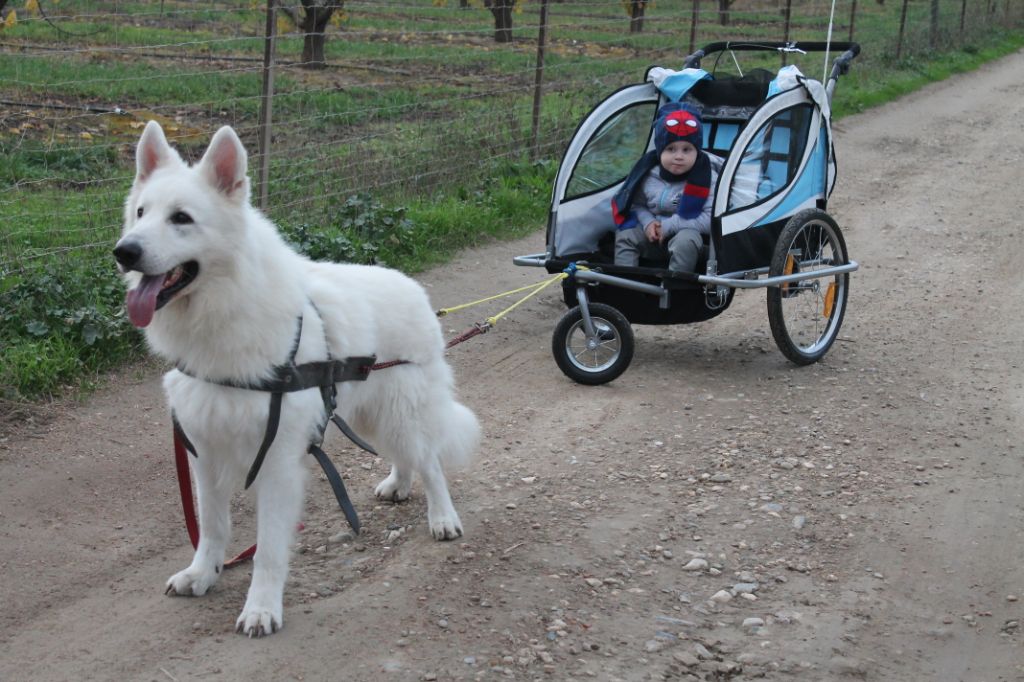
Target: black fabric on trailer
(687,300)
(750,248)
(686,305)
(748,90)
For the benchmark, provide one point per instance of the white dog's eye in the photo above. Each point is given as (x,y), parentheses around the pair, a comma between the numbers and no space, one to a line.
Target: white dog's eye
(138,213)
(181,218)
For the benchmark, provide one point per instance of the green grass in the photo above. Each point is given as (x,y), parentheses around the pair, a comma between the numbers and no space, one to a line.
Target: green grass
(32,159)
(127,84)
(513,205)
(912,73)
(69,218)
(398,119)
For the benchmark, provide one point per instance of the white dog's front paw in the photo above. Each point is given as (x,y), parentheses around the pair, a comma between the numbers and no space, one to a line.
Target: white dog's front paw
(393,489)
(445,526)
(192,582)
(258,621)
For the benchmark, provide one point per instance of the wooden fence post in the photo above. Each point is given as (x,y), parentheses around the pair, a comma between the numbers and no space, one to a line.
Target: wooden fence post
(785,35)
(693,26)
(903,24)
(963,15)
(266,106)
(853,18)
(538,81)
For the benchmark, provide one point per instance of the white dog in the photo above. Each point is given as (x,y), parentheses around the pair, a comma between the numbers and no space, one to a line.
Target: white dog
(222,296)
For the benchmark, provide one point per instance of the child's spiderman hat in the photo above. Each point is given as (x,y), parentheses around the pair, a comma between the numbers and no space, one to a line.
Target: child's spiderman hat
(678,122)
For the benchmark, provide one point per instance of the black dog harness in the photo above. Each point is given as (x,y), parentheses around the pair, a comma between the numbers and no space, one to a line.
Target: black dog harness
(289,378)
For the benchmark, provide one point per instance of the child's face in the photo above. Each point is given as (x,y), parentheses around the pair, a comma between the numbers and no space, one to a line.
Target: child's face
(679,157)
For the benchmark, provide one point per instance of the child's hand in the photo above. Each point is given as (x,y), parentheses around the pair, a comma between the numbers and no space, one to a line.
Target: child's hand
(653,231)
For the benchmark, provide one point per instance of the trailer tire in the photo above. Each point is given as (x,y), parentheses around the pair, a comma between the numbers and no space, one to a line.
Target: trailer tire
(598,360)
(805,316)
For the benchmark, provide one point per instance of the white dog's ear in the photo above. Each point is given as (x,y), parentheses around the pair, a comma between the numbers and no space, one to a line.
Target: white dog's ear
(225,163)
(152,151)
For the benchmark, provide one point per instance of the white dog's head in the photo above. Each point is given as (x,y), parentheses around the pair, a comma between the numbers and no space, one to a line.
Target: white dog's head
(181,223)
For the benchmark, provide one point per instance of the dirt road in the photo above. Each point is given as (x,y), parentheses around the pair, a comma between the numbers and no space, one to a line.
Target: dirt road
(866,511)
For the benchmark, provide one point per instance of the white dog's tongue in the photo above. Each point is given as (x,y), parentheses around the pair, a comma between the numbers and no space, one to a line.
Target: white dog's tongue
(141,300)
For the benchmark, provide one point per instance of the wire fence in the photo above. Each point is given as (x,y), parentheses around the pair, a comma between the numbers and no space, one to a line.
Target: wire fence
(402,98)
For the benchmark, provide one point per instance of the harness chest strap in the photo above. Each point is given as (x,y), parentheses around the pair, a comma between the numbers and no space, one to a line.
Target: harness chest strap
(183,446)
(273,421)
(290,378)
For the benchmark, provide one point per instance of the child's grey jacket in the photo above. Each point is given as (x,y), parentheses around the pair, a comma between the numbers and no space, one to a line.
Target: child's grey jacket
(661,198)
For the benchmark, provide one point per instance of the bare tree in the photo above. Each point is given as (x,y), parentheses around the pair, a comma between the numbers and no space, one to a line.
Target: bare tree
(636,15)
(723,11)
(311,17)
(502,11)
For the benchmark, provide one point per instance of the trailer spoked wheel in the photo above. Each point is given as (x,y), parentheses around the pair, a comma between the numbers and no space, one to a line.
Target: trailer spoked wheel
(805,316)
(597,359)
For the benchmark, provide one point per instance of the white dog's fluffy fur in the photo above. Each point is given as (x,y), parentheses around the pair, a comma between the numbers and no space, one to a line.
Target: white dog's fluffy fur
(237,320)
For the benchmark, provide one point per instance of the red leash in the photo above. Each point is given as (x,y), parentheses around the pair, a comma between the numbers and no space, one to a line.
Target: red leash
(475,330)
(189,507)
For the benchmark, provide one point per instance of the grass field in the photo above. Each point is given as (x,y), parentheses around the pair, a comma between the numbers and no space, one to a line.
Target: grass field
(413,142)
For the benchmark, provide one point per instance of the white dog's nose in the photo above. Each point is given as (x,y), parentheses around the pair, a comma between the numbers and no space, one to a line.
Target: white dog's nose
(128,254)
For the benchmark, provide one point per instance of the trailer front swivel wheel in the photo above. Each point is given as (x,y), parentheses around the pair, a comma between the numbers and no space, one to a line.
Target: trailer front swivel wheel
(599,358)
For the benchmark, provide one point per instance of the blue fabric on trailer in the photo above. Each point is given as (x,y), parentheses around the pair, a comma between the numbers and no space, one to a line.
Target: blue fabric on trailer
(788,77)
(675,84)
(810,185)
(725,133)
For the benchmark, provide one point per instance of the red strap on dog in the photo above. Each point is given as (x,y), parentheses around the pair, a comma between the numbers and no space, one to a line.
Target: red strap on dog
(185,488)
(188,505)
(475,330)
(464,336)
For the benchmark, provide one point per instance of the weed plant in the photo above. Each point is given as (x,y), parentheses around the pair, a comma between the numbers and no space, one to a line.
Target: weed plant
(58,326)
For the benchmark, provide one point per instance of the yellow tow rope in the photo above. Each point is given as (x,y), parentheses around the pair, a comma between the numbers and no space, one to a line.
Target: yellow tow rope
(534,289)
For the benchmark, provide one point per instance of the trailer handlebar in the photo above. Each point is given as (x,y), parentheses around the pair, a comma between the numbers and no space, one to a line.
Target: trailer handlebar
(849,51)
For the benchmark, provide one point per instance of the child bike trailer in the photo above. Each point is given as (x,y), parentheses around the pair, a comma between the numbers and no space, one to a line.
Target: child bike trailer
(769,227)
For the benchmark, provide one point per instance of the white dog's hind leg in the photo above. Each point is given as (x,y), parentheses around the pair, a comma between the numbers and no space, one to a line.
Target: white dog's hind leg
(397,486)
(278,508)
(441,515)
(411,448)
(454,446)
(214,533)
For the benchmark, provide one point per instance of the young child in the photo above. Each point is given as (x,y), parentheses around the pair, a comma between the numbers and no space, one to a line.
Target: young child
(664,206)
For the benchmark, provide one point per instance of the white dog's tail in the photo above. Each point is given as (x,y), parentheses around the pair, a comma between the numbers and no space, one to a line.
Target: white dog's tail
(460,438)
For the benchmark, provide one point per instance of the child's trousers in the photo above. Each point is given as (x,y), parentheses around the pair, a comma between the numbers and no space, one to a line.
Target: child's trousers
(681,251)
